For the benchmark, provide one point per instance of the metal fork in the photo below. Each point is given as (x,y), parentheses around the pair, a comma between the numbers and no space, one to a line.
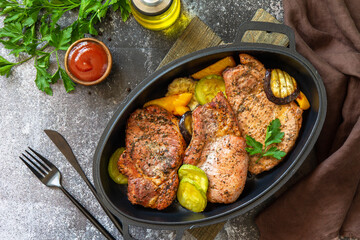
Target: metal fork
(49,175)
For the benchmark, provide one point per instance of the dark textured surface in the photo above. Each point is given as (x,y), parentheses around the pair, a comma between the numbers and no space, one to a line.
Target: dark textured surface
(30,210)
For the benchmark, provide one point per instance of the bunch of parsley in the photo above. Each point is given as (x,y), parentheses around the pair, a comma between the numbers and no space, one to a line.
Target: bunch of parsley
(31,28)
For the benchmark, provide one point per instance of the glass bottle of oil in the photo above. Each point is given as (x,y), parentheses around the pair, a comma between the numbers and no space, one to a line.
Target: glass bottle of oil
(155,14)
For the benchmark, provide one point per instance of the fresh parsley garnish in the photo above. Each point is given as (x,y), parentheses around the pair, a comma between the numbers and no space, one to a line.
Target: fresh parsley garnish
(31,28)
(273,135)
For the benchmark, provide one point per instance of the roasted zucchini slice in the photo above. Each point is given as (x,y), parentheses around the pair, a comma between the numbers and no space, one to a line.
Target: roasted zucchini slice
(190,195)
(208,87)
(196,174)
(113,170)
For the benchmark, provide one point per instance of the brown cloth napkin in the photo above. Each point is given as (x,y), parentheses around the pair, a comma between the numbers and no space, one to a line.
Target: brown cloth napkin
(326,203)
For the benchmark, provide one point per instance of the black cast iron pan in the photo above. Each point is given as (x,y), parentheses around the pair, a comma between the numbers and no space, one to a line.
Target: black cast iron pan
(258,188)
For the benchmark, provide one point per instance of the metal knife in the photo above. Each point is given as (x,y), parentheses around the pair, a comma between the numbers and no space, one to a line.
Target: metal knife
(66,150)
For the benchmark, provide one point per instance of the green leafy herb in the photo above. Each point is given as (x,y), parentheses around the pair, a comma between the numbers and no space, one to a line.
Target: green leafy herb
(273,135)
(5,66)
(31,28)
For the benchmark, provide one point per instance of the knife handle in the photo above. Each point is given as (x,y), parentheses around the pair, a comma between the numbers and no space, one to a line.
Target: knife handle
(78,168)
(110,215)
(88,215)
(64,147)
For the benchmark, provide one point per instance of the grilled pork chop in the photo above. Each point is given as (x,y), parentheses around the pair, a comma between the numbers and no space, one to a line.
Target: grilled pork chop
(154,152)
(218,148)
(244,88)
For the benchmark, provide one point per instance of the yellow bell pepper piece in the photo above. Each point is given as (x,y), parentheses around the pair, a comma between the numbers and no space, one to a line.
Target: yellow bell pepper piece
(216,68)
(176,104)
(303,101)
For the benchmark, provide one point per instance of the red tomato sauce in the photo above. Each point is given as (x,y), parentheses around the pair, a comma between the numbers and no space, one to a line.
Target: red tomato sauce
(87,61)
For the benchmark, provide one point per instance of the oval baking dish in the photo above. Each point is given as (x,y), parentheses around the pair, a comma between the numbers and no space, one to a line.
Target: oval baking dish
(258,188)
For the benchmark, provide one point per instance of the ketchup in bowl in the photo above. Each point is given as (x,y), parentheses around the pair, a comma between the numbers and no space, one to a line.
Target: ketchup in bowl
(88,61)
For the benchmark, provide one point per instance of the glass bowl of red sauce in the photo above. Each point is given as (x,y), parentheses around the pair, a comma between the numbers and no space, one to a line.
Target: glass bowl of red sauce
(88,61)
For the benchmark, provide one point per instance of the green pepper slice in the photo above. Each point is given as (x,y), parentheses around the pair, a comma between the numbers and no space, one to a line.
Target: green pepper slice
(113,170)
(208,87)
(190,196)
(195,174)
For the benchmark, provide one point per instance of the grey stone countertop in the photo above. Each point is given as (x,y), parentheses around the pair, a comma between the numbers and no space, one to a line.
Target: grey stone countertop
(29,209)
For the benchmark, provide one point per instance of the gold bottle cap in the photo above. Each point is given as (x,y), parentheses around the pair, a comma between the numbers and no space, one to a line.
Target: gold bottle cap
(151,7)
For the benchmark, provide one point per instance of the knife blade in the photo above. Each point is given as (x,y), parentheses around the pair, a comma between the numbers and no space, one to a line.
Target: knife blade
(64,147)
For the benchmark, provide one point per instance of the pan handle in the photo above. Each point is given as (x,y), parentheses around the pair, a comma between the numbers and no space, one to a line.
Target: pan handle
(126,235)
(180,230)
(268,27)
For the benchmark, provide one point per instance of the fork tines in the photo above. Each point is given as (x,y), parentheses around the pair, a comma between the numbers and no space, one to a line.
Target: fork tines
(37,163)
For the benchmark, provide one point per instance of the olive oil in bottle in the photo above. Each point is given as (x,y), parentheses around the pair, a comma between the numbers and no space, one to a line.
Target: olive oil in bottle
(155,14)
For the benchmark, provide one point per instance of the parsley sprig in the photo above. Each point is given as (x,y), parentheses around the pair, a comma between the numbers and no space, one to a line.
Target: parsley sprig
(31,28)
(273,135)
